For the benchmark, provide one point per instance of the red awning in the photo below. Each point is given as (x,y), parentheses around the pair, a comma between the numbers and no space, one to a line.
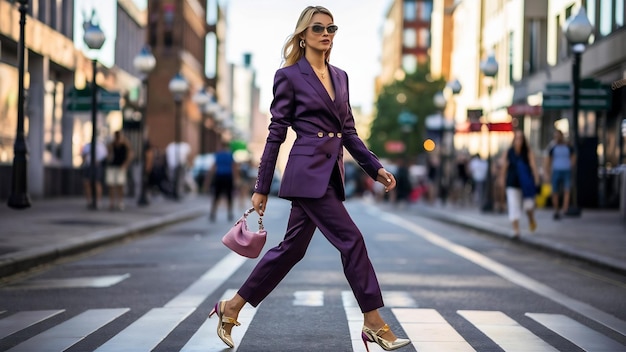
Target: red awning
(469,127)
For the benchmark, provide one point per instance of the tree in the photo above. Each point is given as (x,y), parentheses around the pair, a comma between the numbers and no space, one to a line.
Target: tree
(414,94)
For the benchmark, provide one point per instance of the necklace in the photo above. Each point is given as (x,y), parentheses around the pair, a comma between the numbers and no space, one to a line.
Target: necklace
(322,74)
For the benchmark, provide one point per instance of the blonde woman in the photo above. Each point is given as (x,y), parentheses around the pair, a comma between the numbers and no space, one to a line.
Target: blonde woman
(311,97)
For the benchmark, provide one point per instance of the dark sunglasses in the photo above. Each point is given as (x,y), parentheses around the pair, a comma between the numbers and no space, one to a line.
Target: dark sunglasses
(319,29)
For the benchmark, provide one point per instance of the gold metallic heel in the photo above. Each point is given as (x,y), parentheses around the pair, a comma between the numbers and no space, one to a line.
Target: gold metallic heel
(221,332)
(369,335)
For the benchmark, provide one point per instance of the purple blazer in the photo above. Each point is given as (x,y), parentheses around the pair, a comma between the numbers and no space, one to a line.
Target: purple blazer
(323,127)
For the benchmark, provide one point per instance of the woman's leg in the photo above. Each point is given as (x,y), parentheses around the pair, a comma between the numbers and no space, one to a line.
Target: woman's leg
(514,205)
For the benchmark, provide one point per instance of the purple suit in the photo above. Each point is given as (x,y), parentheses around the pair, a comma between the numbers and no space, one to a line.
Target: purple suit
(313,180)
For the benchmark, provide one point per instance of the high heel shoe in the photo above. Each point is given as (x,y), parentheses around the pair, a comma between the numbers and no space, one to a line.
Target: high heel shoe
(369,335)
(221,332)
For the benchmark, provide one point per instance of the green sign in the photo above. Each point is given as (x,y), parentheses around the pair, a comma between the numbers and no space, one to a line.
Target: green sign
(79,100)
(557,96)
(593,95)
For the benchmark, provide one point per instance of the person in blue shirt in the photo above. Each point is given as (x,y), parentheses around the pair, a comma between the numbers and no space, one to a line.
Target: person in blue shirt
(560,159)
(223,176)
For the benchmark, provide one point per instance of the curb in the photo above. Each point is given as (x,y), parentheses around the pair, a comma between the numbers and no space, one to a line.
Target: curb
(536,242)
(14,263)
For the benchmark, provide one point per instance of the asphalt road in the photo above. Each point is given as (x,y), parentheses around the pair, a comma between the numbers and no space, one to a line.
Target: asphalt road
(445,288)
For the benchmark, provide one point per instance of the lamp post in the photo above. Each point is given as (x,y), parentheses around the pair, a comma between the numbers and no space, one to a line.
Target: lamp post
(144,62)
(202,98)
(94,38)
(178,86)
(577,30)
(440,103)
(19,198)
(489,68)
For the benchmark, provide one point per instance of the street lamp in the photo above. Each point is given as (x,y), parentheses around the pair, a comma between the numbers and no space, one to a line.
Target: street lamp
(178,86)
(577,30)
(19,198)
(202,99)
(439,100)
(144,62)
(489,68)
(94,38)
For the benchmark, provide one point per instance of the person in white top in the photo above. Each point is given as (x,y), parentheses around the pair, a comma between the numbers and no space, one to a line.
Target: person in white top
(177,155)
(478,170)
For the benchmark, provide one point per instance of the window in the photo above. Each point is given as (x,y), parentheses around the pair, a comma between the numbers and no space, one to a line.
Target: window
(426,10)
(511,58)
(409,63)
(410,10)
(619,13)
(409,40)
(606,17)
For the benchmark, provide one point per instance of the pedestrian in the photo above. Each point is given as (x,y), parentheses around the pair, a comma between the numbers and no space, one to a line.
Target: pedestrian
(177,157)
(521,179)
(222,176)
(311,97)
(558,165)
(119,156)
(478,168)
(87,171)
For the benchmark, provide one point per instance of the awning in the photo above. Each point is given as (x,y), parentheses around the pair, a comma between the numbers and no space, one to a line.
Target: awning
(469,127)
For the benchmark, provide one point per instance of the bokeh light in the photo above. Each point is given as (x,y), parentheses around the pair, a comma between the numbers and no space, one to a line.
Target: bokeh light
(429,145)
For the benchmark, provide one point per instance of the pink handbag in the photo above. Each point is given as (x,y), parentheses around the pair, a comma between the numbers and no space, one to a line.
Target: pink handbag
(243,241)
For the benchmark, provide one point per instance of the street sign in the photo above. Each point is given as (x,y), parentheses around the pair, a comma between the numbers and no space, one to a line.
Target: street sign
(79,100)
(557,96)
(592,95)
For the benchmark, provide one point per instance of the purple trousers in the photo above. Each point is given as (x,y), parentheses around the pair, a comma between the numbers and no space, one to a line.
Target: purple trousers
(330,216)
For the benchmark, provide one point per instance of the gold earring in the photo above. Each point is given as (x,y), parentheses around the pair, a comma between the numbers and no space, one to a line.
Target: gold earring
(302,43)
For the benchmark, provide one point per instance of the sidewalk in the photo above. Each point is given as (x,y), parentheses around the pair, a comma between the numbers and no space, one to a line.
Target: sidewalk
(53,228)
(598,236)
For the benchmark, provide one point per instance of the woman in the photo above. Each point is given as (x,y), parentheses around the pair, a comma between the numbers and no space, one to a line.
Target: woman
(311,97)
(521,178)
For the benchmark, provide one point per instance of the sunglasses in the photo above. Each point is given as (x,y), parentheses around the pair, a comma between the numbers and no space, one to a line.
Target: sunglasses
(319,29)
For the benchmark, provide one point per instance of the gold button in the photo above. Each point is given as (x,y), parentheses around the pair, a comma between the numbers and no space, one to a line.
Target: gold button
(331,135)
(320,134)
(339,135)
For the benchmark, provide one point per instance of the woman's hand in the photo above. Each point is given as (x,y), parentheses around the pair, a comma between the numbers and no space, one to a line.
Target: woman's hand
(259,202)
(386,178)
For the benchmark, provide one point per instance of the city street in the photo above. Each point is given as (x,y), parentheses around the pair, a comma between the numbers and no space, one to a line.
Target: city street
(446,288)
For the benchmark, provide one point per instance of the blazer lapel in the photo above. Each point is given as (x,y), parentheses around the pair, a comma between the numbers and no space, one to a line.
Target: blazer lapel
(315,83)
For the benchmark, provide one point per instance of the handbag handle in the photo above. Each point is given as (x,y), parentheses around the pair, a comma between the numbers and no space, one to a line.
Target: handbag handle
(250,211)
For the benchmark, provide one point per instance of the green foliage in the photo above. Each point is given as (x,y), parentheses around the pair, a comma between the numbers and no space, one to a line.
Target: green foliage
(418,89)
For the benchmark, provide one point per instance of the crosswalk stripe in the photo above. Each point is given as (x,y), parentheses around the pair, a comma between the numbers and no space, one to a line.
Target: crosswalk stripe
(429,331)
(308,298)
(205,339)
(355,321)
(70,332)
(577,333)
(506,332)
(148,331)
(22,320)
(195,294)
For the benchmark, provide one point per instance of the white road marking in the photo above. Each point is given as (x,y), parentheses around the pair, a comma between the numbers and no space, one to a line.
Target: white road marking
(197,292)
(70,332)
(148,331)
(512,275)
(75,282)
(429,331)
(22,320)
(205,339)
(506,332)
(577,333)
(308,298)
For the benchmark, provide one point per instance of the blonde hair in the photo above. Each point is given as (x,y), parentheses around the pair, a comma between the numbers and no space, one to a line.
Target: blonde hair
(292,52)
